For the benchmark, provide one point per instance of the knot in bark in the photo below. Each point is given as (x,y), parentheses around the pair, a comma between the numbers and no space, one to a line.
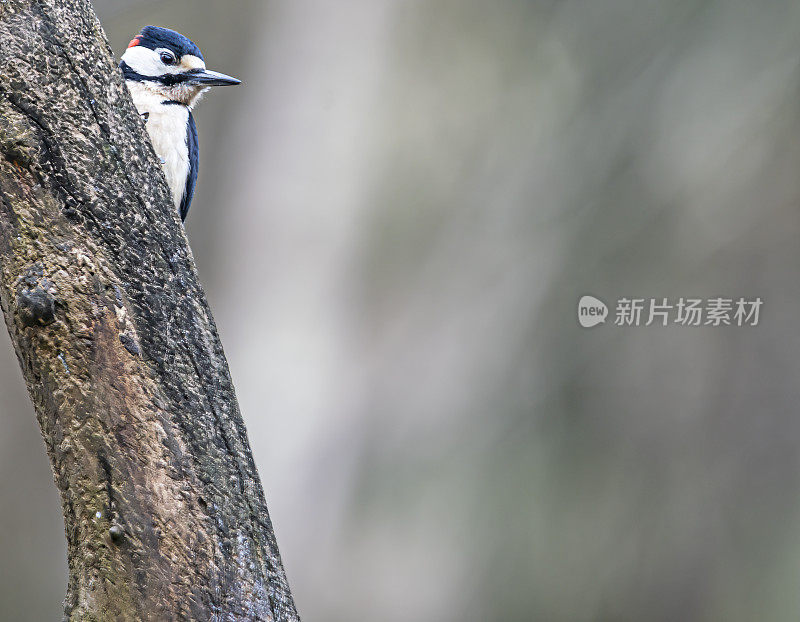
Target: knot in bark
(117,533)
(36,307)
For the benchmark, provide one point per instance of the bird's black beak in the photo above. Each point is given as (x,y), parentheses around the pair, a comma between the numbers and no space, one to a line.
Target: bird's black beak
(206,77)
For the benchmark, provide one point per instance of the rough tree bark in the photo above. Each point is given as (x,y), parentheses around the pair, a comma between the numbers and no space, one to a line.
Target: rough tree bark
(164,512)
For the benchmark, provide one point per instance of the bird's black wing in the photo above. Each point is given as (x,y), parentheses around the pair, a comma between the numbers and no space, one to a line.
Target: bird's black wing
(194,158)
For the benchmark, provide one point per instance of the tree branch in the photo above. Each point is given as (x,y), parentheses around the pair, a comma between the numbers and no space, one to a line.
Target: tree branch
(164,512)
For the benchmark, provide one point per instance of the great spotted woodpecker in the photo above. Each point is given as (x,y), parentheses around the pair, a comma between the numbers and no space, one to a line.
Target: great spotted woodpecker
(166,75)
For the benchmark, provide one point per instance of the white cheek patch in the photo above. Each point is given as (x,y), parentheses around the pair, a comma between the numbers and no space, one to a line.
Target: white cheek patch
(144,61)
(148,62)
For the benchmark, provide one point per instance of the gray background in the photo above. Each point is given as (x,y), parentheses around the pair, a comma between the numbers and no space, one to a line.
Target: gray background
(419,192)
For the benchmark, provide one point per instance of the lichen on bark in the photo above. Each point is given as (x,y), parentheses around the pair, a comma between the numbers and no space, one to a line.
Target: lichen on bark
(164,513)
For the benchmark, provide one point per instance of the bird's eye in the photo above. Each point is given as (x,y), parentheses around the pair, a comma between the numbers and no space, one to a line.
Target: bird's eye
(167,58)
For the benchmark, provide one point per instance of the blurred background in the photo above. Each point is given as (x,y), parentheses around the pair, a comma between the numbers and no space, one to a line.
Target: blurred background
(422,192)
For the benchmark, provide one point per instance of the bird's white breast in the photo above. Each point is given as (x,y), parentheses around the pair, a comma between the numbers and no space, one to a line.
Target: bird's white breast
(166,125)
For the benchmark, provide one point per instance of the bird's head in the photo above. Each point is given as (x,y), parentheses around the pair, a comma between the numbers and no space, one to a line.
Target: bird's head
(169,64)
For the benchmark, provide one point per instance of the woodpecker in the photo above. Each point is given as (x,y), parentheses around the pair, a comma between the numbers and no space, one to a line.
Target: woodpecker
(166,75)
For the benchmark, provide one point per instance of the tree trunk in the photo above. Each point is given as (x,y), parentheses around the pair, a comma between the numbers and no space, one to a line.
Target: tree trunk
(164,512)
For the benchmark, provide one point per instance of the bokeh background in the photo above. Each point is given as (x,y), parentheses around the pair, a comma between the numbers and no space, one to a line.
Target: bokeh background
(420,192)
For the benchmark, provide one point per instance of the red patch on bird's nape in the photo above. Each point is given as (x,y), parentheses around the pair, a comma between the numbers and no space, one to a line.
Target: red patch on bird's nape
(135,41)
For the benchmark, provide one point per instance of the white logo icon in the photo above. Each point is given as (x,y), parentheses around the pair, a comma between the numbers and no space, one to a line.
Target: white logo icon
(591,311)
